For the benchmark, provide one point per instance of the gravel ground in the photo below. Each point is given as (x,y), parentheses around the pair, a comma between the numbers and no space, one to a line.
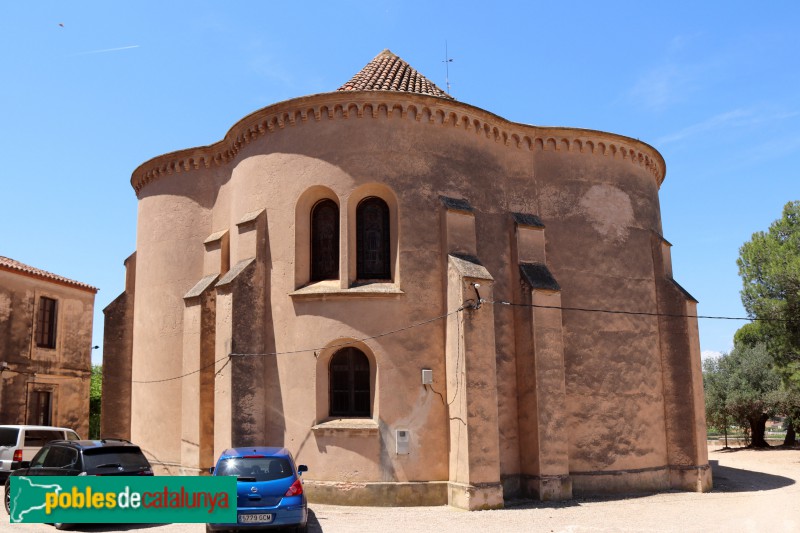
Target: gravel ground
(754,491)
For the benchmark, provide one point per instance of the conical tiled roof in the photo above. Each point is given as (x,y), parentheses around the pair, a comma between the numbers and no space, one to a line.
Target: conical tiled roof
(387,72)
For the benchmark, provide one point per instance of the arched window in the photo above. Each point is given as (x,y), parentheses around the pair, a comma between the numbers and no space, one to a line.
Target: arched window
(325,240)
(372,239)
(349,383)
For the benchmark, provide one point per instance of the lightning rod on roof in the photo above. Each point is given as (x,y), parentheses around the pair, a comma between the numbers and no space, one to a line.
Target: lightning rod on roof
(447,61)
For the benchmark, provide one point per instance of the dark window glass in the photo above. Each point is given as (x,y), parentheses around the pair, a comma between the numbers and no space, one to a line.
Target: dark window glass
(8,436)
(325,241)
(46,323)
(61,457)
(108,459)
(40,437)
(349,383)
(372,239)
(40,412)
(255,468)
(40,457)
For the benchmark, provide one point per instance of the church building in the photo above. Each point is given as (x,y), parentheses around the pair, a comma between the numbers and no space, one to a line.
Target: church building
(426,303)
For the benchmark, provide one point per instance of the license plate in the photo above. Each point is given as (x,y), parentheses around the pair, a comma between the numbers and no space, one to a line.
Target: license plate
(255,518)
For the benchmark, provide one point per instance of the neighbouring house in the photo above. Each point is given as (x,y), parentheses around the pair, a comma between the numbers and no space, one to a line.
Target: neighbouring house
(425,302)
(45,347)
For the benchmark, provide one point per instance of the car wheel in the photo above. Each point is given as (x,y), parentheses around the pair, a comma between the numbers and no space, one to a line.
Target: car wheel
(302,529)
(60,526)
(7,499)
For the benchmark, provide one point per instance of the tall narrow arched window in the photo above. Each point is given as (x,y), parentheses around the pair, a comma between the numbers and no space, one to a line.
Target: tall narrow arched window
(349,383)
(372,239)
(325,240)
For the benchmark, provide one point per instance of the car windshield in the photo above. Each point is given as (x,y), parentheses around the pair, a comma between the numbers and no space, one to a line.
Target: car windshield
(129,458)
(255,468)
(8,436)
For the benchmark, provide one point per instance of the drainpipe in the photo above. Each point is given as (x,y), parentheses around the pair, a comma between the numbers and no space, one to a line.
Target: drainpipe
(3,368)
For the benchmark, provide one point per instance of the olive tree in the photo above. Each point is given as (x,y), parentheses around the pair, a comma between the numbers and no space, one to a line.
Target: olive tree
(741,388)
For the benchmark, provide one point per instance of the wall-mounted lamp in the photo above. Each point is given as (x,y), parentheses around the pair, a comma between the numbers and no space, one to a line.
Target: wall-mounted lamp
(478,295)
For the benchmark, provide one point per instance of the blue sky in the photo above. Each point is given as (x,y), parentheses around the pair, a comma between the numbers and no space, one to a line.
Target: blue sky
(93,89)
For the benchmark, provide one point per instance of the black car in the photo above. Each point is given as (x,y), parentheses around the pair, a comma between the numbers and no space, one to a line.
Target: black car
(104,457)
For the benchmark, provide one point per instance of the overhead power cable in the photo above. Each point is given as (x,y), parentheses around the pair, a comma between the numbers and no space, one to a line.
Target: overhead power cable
(469,304)
(186,374)
(350,343)
(340,345)
(637,313)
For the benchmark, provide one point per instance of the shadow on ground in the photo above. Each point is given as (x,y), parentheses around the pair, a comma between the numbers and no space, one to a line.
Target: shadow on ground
(727,479)
(100,528)
(314,524)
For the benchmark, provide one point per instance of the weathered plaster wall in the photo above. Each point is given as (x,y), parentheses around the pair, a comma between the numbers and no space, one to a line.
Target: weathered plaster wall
(596,193)
(115,416)
(169,260)
(65,370)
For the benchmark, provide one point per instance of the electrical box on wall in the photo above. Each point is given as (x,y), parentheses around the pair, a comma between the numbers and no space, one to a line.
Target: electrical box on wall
(402,438)
(427,376)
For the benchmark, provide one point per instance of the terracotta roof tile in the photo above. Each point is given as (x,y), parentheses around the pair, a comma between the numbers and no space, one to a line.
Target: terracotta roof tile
(387,72)
(10,264)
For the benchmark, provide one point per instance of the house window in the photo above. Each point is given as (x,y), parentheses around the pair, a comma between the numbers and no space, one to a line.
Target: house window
(325,241)
(40,412)
(349,383)
(372,240)
(46,323)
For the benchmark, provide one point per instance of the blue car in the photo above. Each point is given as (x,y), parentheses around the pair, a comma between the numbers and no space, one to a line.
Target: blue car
(269,491)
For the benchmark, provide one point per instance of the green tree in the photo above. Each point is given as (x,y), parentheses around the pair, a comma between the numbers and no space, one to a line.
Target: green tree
(716,389)
(752,383)
(741,387)
(787,403)
(769,265)
(95,398)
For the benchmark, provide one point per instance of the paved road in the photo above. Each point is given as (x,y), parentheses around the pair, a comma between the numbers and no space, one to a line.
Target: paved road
(755,491)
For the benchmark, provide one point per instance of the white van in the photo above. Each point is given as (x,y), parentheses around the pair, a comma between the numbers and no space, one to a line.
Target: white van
(20,443)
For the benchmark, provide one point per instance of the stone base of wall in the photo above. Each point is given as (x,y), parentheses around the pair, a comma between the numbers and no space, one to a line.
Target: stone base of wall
(378,494)
(490,495)
(691,478)
(621,481)
(475,497)
(657,479)
(540,488)
(548,488)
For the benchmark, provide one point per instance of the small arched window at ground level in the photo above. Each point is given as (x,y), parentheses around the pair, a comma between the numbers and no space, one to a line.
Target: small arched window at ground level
(349,384)
(372,240)
(324,241)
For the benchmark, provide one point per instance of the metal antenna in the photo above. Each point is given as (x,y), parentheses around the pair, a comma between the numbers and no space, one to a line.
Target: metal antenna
(447,61)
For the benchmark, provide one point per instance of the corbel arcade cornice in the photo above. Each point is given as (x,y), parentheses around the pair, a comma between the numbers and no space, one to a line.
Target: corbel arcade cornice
(426,110)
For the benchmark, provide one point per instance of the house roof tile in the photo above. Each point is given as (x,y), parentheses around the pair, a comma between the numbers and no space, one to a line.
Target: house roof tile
(388,72)
(7,263)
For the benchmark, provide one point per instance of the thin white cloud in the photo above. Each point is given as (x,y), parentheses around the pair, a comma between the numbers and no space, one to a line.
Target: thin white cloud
(664,85)
(674,79)
(771,149)
(708,354)
(104,50)
(723,120)
(736,118)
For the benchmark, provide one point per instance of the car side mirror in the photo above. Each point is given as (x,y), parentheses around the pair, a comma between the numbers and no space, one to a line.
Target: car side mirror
(211,470)
(301,469)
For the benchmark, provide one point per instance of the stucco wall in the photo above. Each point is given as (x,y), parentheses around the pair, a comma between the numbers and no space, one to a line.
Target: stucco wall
(64,370)
(596,193)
